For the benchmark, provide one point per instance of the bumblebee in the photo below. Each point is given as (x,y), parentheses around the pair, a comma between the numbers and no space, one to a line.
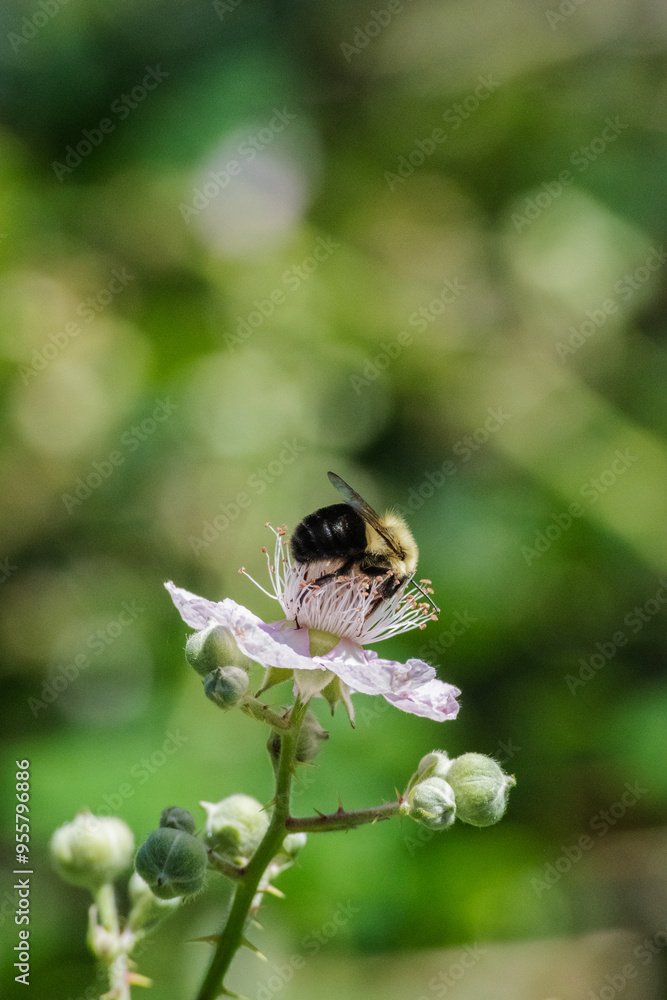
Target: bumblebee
(351,536)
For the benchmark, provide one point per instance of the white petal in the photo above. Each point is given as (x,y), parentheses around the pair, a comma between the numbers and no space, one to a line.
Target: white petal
(363,670)
(271,645)
(278,645)
(412,686)
(433,700)
(197,611)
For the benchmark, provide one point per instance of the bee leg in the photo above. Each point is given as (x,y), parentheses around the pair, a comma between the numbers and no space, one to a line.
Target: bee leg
(385,590)
(341,571)
(345,568)
(391,585)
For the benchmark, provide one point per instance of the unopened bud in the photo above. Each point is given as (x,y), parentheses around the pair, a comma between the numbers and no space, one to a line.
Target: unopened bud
(226,686)
(172,862)
(213,647)
(92,850)
(308,742)
(286,856)
(178,819)
(235,826)
(431,803)
(480,787)
(293,843)
(434,765)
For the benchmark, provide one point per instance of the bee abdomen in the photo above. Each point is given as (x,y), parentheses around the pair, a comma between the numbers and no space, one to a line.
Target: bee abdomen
(331,532)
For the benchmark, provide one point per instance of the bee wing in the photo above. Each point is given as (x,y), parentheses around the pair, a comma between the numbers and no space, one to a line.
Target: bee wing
(364,509)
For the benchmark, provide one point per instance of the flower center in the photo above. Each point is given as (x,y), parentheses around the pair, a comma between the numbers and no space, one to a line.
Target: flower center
(333,607)
(320,642)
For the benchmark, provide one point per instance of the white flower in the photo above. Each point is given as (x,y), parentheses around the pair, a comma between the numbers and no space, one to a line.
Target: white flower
(321,636)
(92,850)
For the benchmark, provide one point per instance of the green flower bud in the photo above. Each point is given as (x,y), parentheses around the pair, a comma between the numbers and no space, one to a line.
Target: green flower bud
(172,862)
(434,765)
(235,827)
(178,819)
(92,850)
(286,856)
(293,843)
(481,789)
(310,736)
(226,686)
(431,803)
(146,906)
(213,647)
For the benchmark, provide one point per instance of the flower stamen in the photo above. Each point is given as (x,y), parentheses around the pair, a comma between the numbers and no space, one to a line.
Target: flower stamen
(353,606)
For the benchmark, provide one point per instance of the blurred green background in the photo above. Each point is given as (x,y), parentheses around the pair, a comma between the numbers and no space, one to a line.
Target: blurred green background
(420,244)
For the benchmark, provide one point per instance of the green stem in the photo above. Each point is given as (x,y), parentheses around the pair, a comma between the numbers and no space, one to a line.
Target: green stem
(116,965)
(342,820)
(224,866)
(231,937)
(105,900)
(120,987)
(251,706)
